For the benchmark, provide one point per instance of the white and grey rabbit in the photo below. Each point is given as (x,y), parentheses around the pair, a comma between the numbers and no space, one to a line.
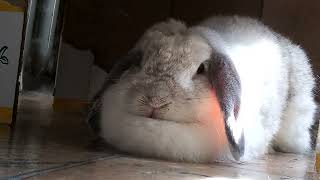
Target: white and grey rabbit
(159,100)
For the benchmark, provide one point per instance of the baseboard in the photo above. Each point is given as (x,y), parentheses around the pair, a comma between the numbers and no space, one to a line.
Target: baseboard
(5,131)
(63,104)
(6,6)
(6,115)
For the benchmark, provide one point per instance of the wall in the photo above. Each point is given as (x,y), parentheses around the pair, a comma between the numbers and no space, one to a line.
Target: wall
(110,28)
(298,20)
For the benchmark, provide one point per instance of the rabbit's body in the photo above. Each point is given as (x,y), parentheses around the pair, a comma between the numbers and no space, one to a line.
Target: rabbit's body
(277,83)
(276,105)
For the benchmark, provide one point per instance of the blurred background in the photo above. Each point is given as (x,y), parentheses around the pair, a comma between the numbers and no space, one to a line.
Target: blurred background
(108,29)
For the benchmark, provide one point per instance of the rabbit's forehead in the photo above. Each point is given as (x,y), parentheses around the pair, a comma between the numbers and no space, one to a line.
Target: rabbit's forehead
(175,54)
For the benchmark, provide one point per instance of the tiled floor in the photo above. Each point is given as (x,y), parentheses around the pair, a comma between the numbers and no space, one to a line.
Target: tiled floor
(48,145)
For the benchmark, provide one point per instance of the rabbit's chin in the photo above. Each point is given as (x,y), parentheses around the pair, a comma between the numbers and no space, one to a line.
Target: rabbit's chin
(165,139)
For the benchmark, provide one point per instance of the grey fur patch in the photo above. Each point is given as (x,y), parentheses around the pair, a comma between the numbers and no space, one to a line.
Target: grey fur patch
(134,57)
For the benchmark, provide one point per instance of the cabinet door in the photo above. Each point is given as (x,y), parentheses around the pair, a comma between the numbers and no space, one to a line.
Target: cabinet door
(298,20)
(194,11)
(110,28)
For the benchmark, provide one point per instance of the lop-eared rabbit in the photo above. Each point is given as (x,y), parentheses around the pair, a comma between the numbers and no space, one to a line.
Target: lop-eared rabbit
(228,88)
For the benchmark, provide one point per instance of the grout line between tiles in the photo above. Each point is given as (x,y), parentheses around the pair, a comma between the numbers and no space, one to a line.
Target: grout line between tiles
(58,168)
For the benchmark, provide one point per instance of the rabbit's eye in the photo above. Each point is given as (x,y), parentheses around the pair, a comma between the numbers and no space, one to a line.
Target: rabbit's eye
(201,69)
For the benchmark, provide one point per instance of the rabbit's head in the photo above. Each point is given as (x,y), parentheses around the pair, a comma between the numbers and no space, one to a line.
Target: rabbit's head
(176,74)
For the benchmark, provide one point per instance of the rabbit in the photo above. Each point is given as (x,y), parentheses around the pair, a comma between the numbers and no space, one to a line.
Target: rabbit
(226,89)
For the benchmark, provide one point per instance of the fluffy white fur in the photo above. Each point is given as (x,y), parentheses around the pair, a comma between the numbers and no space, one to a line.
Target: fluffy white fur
(277,105)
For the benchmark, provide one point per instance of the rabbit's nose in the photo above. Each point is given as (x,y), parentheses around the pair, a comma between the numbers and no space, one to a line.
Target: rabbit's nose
(156,107)
(158,102)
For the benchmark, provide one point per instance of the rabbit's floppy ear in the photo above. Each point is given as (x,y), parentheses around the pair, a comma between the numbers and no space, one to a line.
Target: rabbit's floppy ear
(225,79)
(134,57)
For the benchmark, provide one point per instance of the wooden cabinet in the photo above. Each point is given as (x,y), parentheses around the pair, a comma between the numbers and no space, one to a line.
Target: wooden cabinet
(193,11)
(298,20)
(110,28)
